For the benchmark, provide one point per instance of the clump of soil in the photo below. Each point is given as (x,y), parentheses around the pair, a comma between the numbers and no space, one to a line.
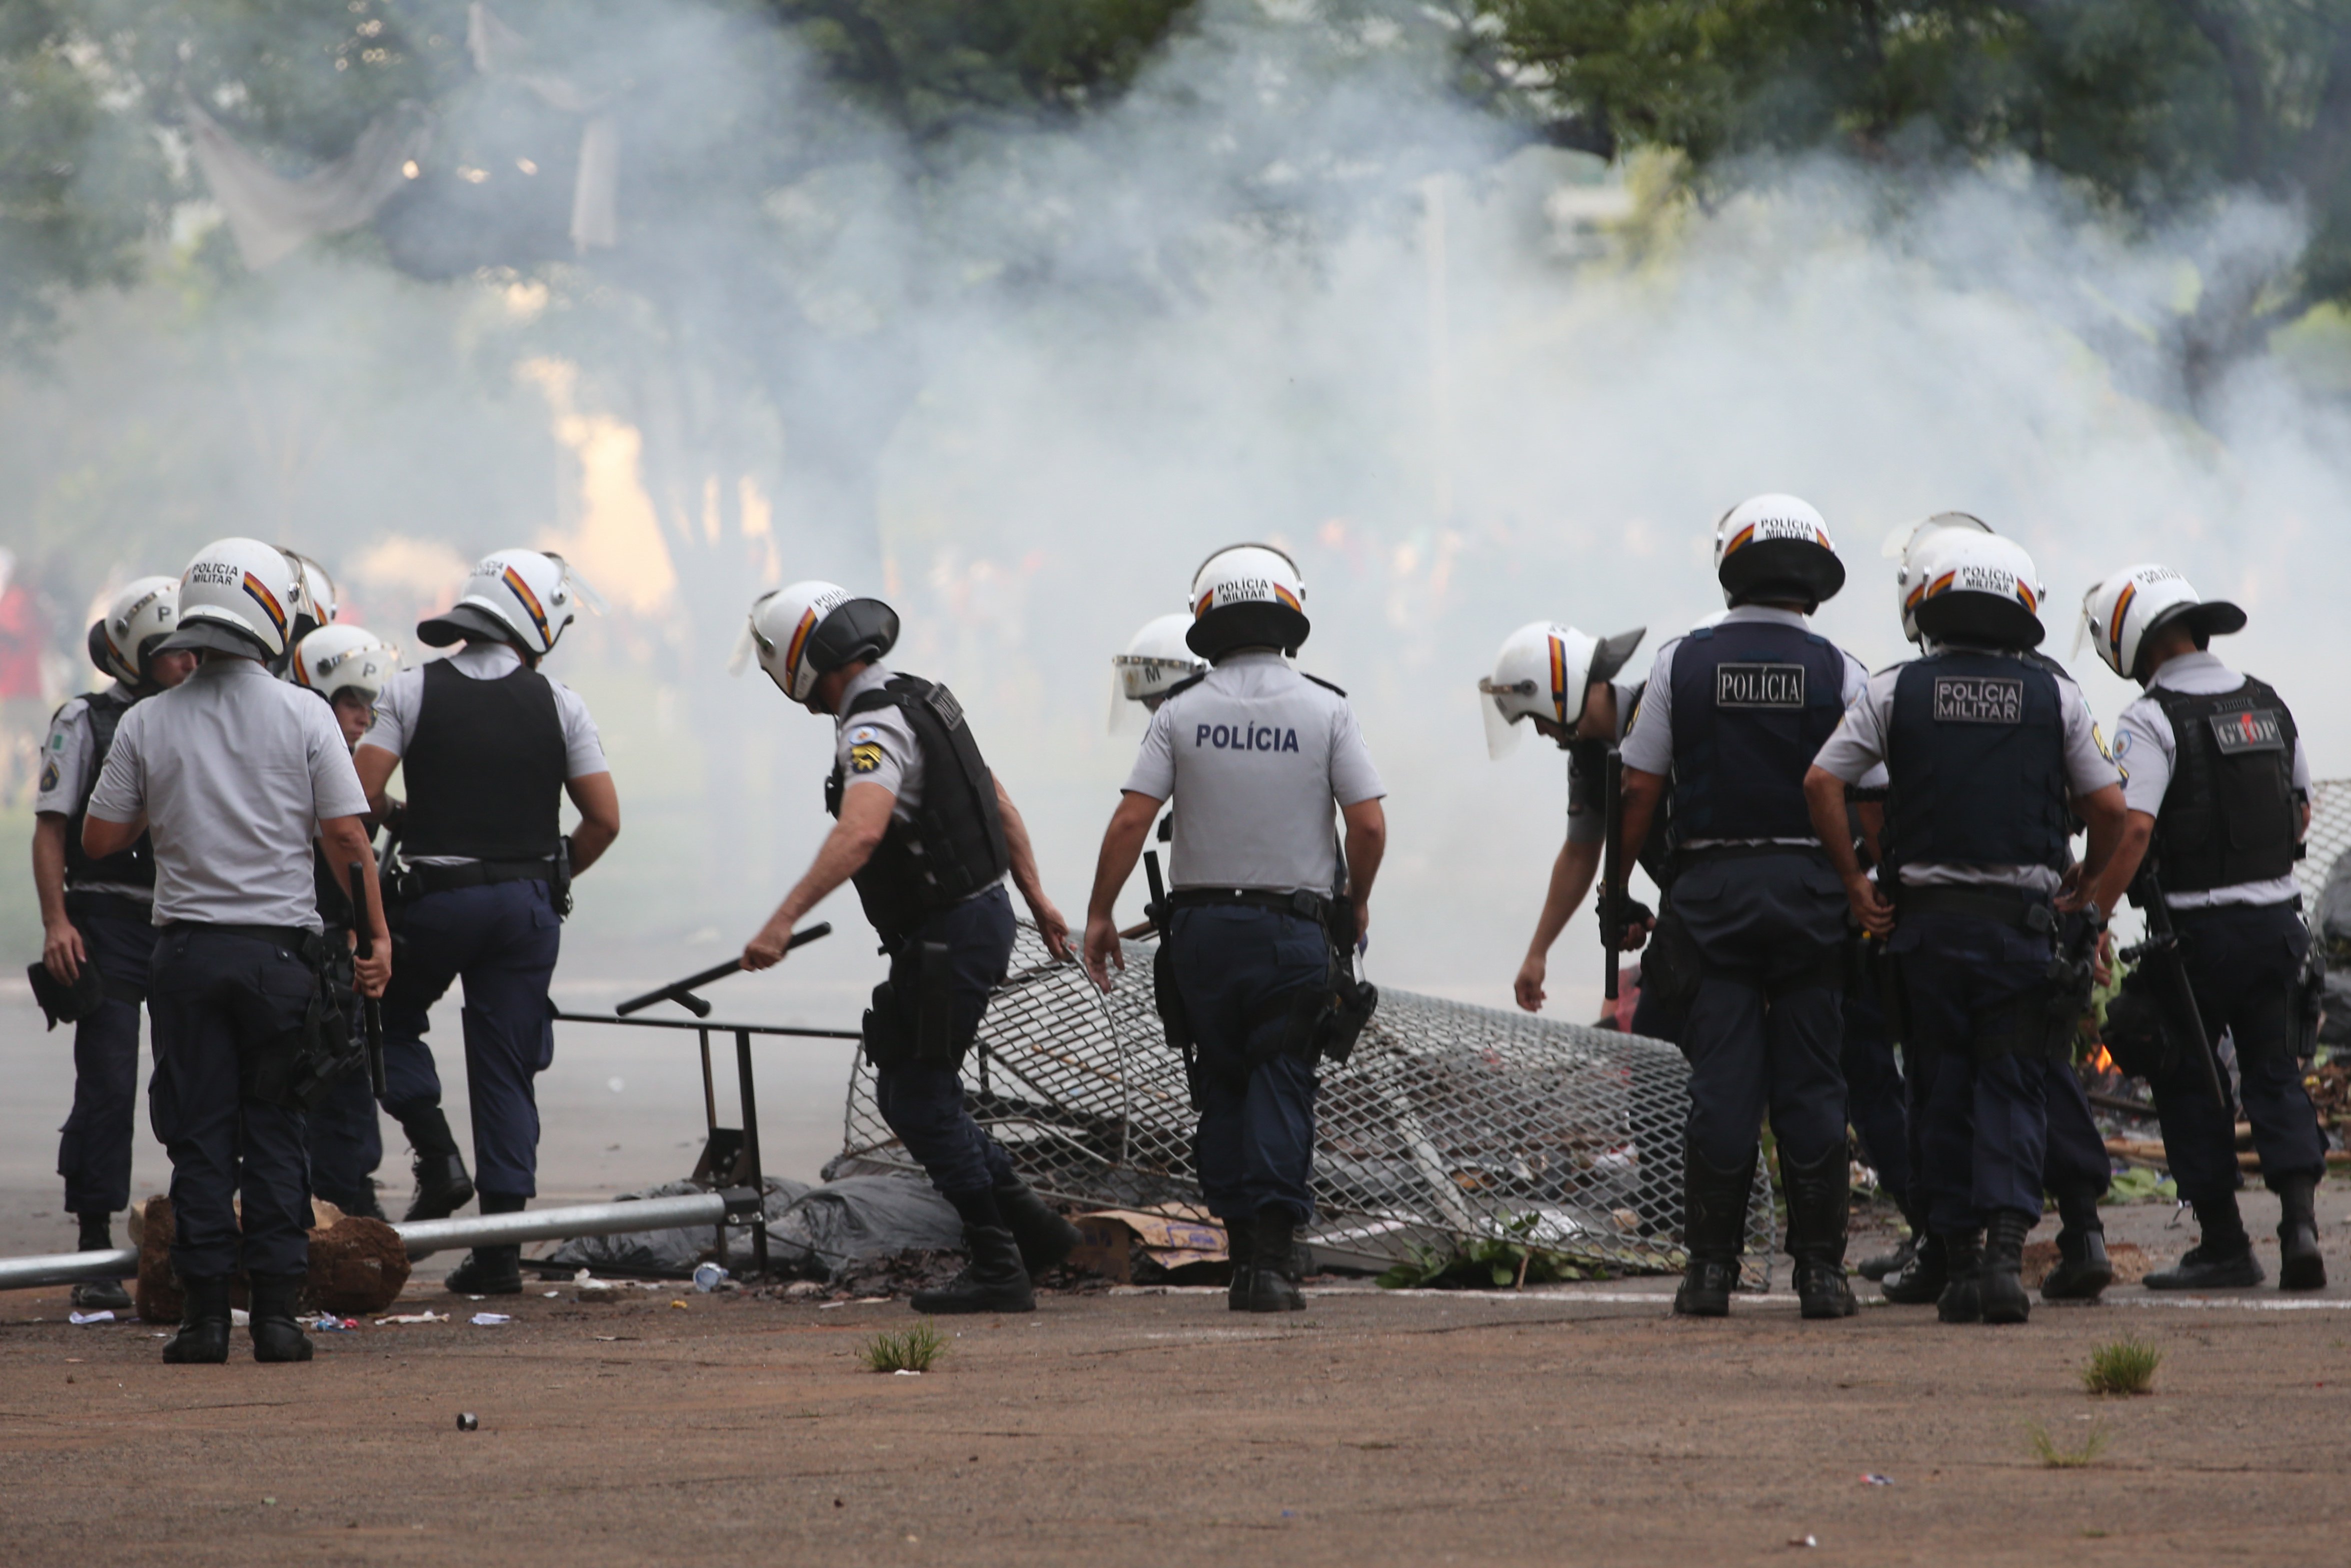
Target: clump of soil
(357,1265)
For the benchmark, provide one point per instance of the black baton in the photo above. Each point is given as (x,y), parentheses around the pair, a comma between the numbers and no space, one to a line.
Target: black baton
(371,1007)
(682,991)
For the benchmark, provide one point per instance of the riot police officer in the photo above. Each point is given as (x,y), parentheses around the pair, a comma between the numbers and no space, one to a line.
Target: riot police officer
(1732,713)
(347,667)
(1156,660)
(1985,747)
(1265,912)
(489,747)
(98,934)
(232,771)
(928,832)
(1563,683)
(2219,793)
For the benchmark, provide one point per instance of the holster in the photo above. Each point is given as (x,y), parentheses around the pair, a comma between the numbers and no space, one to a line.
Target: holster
(1173,1022)
(1346,1002)
(294,1070)
(2135,1033)
(1670,968)
(921,973)
(2306,1004)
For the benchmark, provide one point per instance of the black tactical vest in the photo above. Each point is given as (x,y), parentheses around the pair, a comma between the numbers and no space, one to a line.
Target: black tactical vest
(2229,815)
(953,845)
(486,768)
(1753,703)
(133,867)
(1975,752)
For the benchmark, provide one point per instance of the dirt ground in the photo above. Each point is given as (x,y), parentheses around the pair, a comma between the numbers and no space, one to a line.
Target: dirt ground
(1572,1425)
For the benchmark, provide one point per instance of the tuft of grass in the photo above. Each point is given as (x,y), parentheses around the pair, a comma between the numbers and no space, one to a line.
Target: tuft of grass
(2125,1366)
(912,1350)
(2056,1457)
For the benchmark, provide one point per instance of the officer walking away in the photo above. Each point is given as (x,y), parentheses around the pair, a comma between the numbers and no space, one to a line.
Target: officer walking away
(347,666)
(489,747)
(926,832)
(1732,716)
(1562,683)
(231,772)
(2218,792)
(1984,748)
(1265,916)
(97,931)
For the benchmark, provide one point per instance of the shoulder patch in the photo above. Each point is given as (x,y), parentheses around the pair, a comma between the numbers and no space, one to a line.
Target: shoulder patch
(49,775)
(1319,680)
(865,757)
(2121,747)
(864,733)
(2099,740)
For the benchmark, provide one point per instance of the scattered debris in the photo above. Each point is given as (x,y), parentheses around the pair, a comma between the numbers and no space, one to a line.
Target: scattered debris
(709,1277)
(469,1422)
(1875,1479)
(328,1322)
(83,1320)
(490,1320)
(1803,1541)
(423,1317)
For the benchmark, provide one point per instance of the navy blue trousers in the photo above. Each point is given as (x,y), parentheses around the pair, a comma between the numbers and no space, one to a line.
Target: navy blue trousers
(216,997)
(1766,1027)
(2075,1158)
(94,1145)
(2241,960)
(1874,1095)
(501,939)
(924,1104)
(1236,968)
(1984,1116)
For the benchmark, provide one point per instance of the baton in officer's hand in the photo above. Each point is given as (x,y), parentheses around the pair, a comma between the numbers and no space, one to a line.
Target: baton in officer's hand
(371,1007)
(682,991)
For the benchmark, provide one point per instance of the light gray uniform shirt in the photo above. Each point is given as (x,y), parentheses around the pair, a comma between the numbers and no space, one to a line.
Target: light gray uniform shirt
(1649,745)
(402,702)
(878,747)
(1254,756)
(1859,746)
(2146,750)
(233,769)
(67,758)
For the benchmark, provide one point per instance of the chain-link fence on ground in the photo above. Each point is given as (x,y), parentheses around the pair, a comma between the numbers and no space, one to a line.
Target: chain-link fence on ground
(2330,836)
(1450,1125)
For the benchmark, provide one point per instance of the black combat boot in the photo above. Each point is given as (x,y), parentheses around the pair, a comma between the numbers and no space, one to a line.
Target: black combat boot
(1820,1201)
(2000,1273)
(2222,1261)
(1240,1246)
(2083,1268)
(993,1280)
(442,1187)
(1962,1261)
(1896,1261)
(490,1271)
(1273,1262)
(1714,1226)
(203,1339)
(277,1336)
(1920,1281)
(99,1295)
(1045,1237)
(2299,1266)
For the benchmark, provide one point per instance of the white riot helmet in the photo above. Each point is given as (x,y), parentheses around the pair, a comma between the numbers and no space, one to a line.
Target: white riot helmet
(137,620)
(1246,596)
(2120,611)
(1775,546)
(236,597)
(1156,659)
(1982,589)
(524,598)
(810,629)
(1546,671)
(1920,551)
(344,658)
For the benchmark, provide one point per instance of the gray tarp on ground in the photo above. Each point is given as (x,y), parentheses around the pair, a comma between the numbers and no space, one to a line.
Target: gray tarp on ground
(814,1231)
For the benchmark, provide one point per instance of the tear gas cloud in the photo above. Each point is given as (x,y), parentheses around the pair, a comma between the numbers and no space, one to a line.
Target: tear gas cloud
(1286,290)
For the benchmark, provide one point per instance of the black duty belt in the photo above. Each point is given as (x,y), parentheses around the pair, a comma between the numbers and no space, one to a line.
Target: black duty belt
(80,902)
(288,937)
(417,880)
(2022,907)
(1304,904)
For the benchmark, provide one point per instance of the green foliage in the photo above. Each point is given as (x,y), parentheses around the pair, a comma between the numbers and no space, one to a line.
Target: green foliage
(1501,1262)
(2142,1184)
(911,1350)
(2054,1456)
(2122,1366)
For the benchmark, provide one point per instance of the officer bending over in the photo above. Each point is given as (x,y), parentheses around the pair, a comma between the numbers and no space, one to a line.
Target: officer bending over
(97,930)
(347,666)
(489,747)
(1563,683)
(1264,915)
(1733,713)
(2218,792)
(231,772)
(1983,747)
(928,832)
